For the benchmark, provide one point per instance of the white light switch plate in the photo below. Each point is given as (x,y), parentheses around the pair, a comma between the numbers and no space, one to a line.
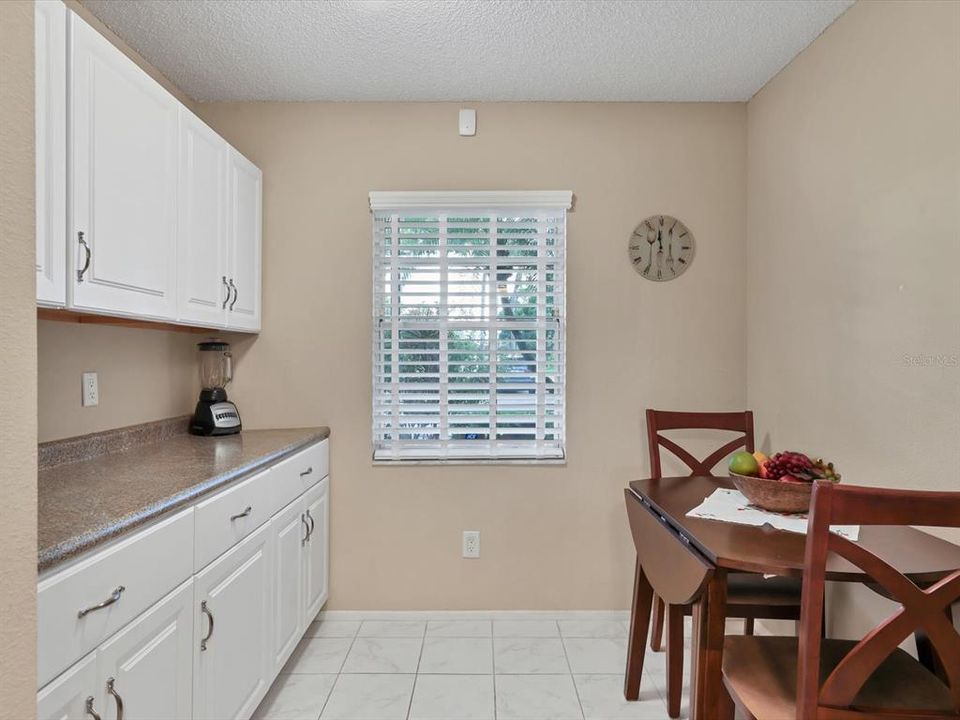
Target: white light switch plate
(468,122)
(471,543)
(91,390)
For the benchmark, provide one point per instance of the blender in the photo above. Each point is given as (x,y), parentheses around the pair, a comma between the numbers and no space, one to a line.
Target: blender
(215,415)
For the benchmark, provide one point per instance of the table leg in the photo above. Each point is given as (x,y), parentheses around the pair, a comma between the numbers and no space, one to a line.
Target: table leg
(710,652)
(639,625)
(697,658)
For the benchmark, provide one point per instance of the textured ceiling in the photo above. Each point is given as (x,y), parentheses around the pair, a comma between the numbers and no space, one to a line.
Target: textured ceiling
(460,50)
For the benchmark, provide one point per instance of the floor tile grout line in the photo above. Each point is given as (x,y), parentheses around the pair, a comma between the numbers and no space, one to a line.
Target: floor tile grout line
(339,672)
(416,673)
(573,680)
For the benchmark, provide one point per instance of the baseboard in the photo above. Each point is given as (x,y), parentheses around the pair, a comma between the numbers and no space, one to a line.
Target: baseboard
(346,615)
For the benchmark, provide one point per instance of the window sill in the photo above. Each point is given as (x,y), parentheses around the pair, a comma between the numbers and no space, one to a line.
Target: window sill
(470,461)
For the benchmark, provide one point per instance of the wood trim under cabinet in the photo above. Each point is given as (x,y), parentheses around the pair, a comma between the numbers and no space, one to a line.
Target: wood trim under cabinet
(88,319)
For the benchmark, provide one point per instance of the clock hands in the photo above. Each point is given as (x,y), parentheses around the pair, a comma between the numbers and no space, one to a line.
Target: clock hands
(650,241)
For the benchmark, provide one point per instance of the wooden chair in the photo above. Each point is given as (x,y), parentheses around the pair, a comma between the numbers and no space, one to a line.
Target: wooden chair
(748,596)
(810,678)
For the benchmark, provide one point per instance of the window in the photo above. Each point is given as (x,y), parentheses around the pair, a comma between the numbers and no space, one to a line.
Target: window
(468,325)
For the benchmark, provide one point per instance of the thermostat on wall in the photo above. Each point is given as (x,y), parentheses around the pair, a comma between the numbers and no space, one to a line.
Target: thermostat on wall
(468,122)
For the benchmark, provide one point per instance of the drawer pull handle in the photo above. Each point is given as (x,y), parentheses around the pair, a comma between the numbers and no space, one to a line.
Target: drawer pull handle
(236,294)
(86,264)
(306,472)
(206,611)
(241,515)
(114,596)
(303,519)
(90,711)
(116,696)
(313,525)
(229,292)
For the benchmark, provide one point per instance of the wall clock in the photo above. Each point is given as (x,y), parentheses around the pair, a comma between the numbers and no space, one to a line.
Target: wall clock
(661,248)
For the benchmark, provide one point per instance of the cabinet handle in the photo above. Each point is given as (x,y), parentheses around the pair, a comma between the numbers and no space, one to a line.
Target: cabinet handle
(227,298)
(86,264)
(114,596)
(90,711)
(303,519)
(306,472)
(241,515)
(116,696)
(206,611)
(236,294)
(313,525)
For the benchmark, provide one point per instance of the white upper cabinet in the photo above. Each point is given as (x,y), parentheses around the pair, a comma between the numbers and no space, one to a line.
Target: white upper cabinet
(246,185)
(202,288)
(123,180)
(50,67)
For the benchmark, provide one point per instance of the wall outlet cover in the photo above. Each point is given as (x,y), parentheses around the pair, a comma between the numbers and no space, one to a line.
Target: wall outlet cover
(91,390)
(471,544)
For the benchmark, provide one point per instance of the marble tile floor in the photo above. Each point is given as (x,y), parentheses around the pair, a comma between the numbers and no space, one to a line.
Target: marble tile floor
(562,667)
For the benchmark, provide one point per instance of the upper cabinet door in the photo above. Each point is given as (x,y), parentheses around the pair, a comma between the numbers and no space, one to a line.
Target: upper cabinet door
(246,187)
(202,280)
(148,666)
(123,189)
(50,67)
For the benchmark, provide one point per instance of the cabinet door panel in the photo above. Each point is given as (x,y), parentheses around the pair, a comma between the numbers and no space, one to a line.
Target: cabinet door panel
(234,672)
(245,229)
(151,662)
(50,67)
(289,530)
(65,698)
(317,550)
(123,144)
(202,288)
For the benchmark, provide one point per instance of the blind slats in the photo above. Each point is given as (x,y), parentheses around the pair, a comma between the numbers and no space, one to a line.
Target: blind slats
(468,333)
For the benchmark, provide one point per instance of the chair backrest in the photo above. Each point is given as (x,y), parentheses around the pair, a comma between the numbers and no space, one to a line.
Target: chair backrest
(928,608)
(658,420)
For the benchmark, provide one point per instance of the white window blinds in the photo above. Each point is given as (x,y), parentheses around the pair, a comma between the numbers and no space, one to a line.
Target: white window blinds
(468,325)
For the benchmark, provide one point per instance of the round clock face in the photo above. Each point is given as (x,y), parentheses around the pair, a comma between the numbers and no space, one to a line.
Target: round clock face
(661,248)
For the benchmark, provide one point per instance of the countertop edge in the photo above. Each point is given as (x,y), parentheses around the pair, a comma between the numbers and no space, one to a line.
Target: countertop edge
(80,545)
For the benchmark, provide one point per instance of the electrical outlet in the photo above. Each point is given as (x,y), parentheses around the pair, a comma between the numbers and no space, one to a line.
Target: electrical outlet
(471,543)
(91,390)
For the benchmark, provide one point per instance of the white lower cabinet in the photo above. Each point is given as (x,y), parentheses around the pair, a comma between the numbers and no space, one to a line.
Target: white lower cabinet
(74,695)
(210,648)
(147,668)
(233,654)
(144,672)
(317,551)
(289,529)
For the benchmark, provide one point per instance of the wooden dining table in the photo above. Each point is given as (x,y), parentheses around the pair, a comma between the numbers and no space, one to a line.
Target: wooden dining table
(686,560)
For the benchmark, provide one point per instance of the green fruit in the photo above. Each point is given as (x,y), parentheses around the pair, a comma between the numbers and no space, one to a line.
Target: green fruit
(743,463)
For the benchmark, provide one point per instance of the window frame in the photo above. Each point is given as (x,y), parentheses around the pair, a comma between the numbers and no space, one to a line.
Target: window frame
(499,204)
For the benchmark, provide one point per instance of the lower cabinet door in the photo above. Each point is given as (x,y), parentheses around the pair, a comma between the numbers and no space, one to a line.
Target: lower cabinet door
(147,668)
(317,549)
(233,654)
(74,695)
(289,529)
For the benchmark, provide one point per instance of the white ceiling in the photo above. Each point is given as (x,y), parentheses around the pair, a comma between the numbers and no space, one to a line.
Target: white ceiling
(667,50)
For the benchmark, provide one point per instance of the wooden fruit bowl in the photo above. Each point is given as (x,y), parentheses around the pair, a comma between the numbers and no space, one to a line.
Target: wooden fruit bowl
(774,495)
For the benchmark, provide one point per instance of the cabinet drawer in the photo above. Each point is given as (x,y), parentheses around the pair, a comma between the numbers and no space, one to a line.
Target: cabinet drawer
(227,518)
(297,474)
(147,566)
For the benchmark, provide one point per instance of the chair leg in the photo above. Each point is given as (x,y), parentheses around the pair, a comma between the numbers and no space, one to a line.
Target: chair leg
(674,659)
(748,626)
(656,625)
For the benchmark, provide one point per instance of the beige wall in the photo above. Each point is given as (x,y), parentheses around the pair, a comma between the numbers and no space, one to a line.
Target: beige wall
(854,247)
(18,357)
(552,537)
(144,374)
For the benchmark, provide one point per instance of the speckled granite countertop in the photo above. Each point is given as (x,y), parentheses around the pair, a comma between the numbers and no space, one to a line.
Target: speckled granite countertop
(85,503)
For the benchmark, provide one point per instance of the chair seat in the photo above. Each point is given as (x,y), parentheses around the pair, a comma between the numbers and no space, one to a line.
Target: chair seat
(761,674)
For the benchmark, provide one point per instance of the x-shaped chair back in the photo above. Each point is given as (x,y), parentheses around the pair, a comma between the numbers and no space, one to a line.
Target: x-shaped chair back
(659,420)
(927,608)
